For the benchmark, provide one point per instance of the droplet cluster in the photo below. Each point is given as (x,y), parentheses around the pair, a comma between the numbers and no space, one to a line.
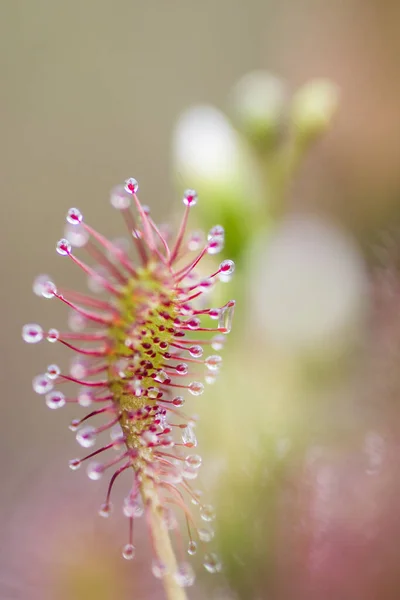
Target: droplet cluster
(141,341)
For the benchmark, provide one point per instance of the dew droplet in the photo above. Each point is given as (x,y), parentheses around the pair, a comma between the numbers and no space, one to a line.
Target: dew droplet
(189,473)
(210,378)
(212,564)
(178,401)
(206,534)
(163,422)
(63,247)
(148,438)
(55,399)
(193,323)
(197,494)
(217,342)
(207,512)
(190,198)
(194,461)
(224,278)
(131,185)
(182,369)
(74,464)
(185,576)
(38,284)
(77,235)
(152,392)
(53,371)
(226,316)
(196,351)
(227,267)
(205,285)
(78,368)
(32,333)
(73,426)
(52,335)
(161,376)
(133,507)
(48,290)
(189,436)
(192,548)
(128,551)
(167,441)
(85,398)
(95,471)
(213,313)
(105,510)
(186,310)
(42,384)
(195,241)
(74,216)
(86,437)
(215,245)
(158,568)
(213,362)
(216,232)
(196,388)
(120,198)
(116,433)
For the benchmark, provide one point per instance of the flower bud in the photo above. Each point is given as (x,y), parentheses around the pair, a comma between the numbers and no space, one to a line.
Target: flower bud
(258,103)
(313,108)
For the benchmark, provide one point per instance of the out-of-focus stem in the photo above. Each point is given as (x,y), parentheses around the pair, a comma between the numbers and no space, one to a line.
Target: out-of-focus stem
(277,171)
(162,543)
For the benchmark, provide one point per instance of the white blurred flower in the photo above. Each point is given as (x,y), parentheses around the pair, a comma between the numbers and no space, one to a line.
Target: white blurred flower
(309,287)
(205,146)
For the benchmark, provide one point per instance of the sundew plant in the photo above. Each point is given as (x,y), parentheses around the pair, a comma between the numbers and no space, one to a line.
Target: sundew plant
(140,347)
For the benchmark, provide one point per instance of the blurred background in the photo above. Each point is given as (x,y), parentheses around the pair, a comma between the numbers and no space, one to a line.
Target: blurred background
(285,115)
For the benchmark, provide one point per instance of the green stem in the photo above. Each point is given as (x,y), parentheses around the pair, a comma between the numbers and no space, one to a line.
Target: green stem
(278,170)
(162,542)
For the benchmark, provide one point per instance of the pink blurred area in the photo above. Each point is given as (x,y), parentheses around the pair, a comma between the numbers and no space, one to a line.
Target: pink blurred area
(342,524)
(55,546)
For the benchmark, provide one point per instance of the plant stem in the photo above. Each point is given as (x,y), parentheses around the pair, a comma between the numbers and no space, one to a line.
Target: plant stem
(162,542)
